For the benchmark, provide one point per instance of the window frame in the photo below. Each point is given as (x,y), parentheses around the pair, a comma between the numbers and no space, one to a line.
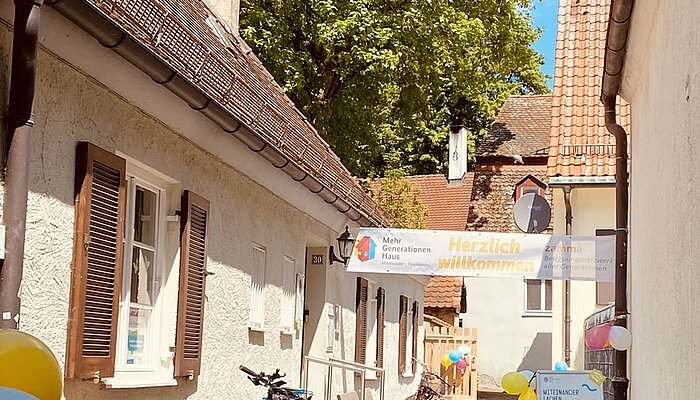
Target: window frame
(288,294)
(255,325)
(543,312)
(137,177)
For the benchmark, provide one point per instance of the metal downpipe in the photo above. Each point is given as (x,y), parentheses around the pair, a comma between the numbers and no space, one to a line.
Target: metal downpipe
(17,145)
(619,381)
(567,283)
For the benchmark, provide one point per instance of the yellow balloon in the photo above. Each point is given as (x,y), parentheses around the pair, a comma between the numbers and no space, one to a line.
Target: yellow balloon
(597,377)
(514,383)
(27,365)
(528,394)
(446,362)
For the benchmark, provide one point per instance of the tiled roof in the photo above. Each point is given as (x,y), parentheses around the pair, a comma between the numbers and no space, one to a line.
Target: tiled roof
(522,128)
(187,37)
(447,205)
(492,201)
(444,292)
(579,143)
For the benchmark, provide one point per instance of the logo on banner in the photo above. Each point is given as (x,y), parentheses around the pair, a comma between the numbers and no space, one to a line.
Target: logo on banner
(365,248)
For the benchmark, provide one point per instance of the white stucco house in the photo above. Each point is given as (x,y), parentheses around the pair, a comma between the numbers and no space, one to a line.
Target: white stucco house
(180,213)
(581,166)
(652,56)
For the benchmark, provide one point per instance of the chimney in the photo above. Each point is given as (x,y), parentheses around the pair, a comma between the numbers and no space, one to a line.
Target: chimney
(458,153)
(227,11)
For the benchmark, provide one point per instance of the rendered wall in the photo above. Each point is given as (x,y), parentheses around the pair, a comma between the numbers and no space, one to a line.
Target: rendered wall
(508,339)
(592,208)
(72,106)
(662,82)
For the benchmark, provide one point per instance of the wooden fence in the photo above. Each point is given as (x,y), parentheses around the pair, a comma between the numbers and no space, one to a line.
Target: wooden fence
(439,340)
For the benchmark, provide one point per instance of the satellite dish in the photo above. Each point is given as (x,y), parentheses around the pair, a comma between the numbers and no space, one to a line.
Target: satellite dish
(532,213)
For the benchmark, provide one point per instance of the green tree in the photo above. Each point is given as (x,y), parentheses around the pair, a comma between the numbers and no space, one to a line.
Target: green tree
(382,80)
(399,200)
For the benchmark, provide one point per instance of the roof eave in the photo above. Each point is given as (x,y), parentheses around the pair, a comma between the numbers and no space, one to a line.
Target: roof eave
(110,34)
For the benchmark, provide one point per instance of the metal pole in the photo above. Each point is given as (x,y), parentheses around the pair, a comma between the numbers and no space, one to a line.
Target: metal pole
(567,283)
(17,140)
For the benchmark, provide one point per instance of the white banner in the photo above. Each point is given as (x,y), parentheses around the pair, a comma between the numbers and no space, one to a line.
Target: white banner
(487,254)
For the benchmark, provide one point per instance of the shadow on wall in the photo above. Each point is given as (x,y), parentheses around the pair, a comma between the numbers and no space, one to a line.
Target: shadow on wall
(539,356)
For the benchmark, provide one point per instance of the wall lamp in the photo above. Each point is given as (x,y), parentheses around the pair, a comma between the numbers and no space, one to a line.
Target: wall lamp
(345,243)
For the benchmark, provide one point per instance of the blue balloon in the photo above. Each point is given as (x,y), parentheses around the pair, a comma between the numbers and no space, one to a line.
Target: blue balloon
(455,356)
(12,394)
(561,366)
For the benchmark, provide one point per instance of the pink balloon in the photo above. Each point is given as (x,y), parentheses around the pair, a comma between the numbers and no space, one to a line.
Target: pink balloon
(461,364)
(597,336)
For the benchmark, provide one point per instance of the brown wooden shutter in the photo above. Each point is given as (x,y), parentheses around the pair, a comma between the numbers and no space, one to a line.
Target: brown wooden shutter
(97,262)
(381,300)
(361,321)
(193,268)
(414,365)
(403,332)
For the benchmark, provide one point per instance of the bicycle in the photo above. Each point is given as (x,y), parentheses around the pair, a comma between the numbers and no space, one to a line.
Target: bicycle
(274,383)
(431,386)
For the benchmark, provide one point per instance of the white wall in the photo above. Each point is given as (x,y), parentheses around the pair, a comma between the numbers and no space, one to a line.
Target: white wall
(251,203)
(508,339)
(662,82)
(592,208)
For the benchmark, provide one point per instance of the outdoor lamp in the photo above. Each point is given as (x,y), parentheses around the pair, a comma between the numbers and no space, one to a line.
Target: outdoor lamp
(345,242)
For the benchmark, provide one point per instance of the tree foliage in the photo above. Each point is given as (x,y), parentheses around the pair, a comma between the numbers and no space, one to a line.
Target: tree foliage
(400,201)
(382,80)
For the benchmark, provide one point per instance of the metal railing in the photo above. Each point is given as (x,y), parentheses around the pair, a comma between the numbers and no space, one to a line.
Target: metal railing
(601,359)
(344,365)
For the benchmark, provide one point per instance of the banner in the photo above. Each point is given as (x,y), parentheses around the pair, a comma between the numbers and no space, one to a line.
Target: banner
(567,385)
(484,254)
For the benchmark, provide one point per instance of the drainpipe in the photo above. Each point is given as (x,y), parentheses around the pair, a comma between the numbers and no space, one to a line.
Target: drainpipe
(17,140)
(567,283)
(619,381)
(615,51)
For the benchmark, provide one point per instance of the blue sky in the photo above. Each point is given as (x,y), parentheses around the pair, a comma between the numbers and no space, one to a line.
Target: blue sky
(544,15)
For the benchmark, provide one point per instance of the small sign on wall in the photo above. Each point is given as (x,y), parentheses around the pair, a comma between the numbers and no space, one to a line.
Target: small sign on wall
(567,385)
(317,259)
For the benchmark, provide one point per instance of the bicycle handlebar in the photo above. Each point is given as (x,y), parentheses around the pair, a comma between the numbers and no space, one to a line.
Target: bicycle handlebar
(247,370)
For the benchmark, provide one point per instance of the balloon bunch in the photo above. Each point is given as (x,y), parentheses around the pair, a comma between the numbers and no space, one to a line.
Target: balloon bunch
(604,335)
(28,369)
(519,383)
(459,357)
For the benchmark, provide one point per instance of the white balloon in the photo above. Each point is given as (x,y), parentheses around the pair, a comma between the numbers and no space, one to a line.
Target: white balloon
(527,374)
(620,338)
(465,349)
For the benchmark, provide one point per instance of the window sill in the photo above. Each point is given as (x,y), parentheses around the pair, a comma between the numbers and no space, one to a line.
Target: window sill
(258,329)
(131,383)
(407,375)
(531,314)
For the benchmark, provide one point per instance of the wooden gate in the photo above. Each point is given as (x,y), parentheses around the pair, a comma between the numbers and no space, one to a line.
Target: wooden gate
(439,340)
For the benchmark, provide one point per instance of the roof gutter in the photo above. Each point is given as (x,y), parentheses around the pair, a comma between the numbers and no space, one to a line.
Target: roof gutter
(110,35)
(615,51)
(17,145)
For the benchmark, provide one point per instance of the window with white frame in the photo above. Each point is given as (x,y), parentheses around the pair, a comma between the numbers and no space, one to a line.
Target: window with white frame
(288,294)
(538,296)
(333,327)
(142,276)
(257,288)
(125,277)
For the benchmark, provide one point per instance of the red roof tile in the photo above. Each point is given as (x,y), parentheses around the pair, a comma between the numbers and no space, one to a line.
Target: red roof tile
(491,206)
(522,127)
(443,291)
(447,204)
(579,143)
